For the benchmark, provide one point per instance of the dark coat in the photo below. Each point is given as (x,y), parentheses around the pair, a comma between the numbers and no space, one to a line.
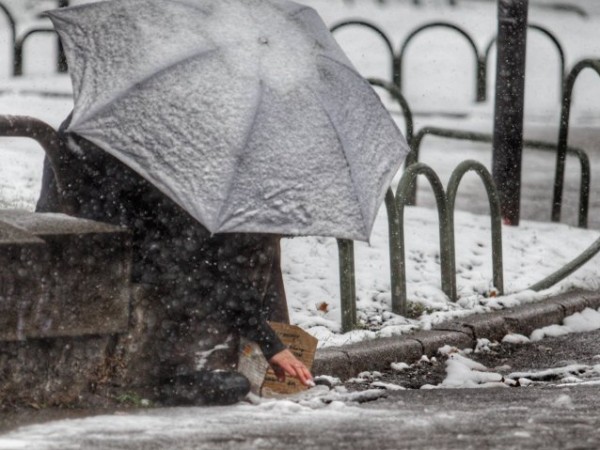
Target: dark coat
(233,278)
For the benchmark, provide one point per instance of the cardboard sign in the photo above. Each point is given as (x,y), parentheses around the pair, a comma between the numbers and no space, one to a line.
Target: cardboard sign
(255,367)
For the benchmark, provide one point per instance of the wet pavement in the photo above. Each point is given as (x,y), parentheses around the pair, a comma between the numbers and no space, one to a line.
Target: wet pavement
(553,413)
(532,418)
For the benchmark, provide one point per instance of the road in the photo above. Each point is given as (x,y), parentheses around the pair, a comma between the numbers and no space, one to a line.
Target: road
(532,418)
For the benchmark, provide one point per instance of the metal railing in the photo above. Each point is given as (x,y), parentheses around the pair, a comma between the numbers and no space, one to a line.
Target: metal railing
(581,155)
(397,60)
(377,30)
(448,281)
(563,133)
(61,65)
(479,72)
(484,58)
(495,217)
(18,42)
(445,202)
(46,136)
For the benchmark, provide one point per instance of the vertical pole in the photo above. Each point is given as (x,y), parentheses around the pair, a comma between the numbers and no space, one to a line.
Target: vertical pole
(509,105)
(347,284)
(61,60)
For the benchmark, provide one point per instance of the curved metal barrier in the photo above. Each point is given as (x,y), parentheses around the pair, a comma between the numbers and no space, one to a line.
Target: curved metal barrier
(569,268)
(564,7)
(479,69)
(495,215)
(20,43)
(561,54)
(11,23)
(370,26)
(347,283)
(445,202)
(399,304)
(584,190)
(397,282)
(563,133)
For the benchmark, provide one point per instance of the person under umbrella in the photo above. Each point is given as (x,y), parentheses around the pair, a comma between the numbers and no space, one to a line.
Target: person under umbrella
(243,116)
(214,288)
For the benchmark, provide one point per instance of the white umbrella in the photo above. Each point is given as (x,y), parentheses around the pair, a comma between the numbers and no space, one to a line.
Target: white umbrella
(245,112)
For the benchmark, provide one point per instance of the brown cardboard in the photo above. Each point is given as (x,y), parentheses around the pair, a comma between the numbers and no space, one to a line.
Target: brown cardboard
(255,367)
(303,346)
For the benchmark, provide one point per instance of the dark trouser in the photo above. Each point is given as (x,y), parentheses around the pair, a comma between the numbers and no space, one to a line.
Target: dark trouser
(204,336)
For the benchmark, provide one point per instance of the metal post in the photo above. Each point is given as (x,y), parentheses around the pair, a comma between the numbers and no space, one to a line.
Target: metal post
(509,105)
(61,60)
(347,284)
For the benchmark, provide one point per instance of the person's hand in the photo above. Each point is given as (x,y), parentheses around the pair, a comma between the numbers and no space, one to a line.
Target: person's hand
(285,362)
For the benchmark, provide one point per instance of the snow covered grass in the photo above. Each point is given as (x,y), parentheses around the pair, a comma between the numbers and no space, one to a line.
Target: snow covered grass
(439,77)
(531,251)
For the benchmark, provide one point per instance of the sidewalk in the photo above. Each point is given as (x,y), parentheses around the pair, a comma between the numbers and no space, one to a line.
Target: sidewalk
(348,361)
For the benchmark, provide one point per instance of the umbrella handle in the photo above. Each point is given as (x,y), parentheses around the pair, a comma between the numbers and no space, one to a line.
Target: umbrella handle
(51,143)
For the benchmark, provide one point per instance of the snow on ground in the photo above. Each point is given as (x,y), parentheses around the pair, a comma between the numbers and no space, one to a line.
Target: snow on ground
(463,372)
(147,429)
(439,77)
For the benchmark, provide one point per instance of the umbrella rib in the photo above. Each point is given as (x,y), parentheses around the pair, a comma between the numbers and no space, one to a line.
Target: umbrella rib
(341,141)
(261,90)
(191,5)
(348,68)
(300,10)
(123,93)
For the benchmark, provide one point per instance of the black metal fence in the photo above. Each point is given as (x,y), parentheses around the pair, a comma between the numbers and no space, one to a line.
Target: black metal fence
(480,59)
(18,41)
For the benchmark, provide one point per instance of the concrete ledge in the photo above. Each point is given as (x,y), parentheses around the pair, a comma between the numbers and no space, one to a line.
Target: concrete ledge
(487,326)
(333,361)
(23,281)
(592,300)
(53,372)
(349,360)
(525,319)
(377,354)
(457,326)
(64,277)
(571,302)
(434,339)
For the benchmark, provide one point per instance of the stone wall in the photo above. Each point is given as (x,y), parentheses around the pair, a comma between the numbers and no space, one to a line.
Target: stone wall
(64,307)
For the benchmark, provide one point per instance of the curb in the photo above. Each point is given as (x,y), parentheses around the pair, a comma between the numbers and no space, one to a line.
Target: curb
(349,360)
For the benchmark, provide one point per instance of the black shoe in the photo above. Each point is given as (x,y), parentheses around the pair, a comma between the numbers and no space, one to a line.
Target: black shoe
(204,387)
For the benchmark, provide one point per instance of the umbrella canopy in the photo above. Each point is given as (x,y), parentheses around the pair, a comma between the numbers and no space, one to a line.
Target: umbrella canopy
(245,112)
